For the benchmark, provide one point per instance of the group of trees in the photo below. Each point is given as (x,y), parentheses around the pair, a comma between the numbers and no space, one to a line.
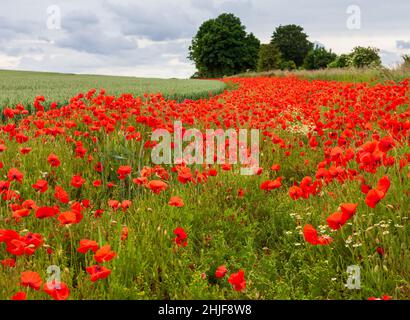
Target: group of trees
(222,47)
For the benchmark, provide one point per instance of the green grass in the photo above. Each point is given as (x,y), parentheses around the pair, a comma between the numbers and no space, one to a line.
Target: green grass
(370,75)
(23,86)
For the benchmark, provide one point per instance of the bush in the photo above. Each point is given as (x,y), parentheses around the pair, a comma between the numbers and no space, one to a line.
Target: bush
(342,61)
(288,65)
(365,57)
(318,58)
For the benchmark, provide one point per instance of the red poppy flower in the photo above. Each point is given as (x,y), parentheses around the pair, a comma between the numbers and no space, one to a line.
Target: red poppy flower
(123,171)
(295,192)
(373,197)
(99,167)
(220,272)
(61,195)
(18,214)
(19,296)
(86,245)
(15,174)
(364,188)
(114,204)
(77,181)
(124,233)
(11,263)
(156,186)
(24,245)
(41,186)
(386,144)
(181,237)
(335,221)
(104,254)
(33,239)
(31,279)
(311,236)
(125,204)
(25,150)
(98,213)
(383,184)
(271,184)
(275,167)
(57,290)
(185,175)
(140,181)
(212,172)
(46,212)
(4,186)
(29,204)
(348,210)
(8,235)
(53,160)
(176,202)
(98,272)
(237,280)
(10,195)
(324,240)
(97,183)
(67,218)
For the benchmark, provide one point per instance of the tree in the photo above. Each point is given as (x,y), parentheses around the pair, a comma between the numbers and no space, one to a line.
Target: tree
(222,47)
(318,58)
(292,43)
(269,57)
(288,65)
(365,57)
(342,61)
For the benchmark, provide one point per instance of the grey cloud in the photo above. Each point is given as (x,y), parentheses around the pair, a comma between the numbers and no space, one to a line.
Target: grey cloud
(79,20)
(401,44)
(161,21)
(10,28)
(203,5)
(83,31)
(15,51)
(95,43)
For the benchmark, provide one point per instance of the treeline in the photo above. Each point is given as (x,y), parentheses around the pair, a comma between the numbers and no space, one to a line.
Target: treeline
(222,47)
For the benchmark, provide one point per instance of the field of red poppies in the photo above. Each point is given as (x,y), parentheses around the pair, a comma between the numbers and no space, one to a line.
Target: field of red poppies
(85,214)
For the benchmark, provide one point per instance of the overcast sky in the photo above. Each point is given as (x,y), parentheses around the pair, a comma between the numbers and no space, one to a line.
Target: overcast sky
(150,38)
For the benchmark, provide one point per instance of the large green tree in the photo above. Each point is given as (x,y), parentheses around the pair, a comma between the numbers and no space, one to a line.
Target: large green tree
(292,42)
(223,47)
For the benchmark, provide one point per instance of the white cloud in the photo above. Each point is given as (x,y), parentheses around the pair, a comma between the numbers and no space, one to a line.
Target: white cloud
(7,62)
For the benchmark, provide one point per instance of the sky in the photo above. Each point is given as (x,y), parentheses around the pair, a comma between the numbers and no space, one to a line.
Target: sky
(150,38)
